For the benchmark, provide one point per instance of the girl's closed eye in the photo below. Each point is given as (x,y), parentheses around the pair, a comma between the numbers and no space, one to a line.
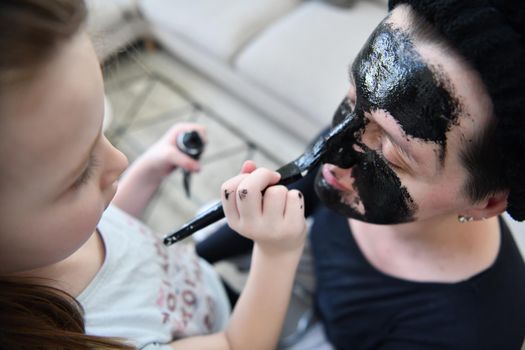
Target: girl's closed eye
(86,174)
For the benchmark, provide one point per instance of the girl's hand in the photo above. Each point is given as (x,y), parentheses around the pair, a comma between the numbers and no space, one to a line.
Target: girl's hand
(163,157)
(143,178)
(274,220)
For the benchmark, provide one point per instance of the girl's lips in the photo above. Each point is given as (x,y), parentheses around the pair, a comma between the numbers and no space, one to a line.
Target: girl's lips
(331,179)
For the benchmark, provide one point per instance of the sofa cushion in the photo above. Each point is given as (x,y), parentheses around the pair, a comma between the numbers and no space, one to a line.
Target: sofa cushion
(220,27)
(304,58)
(103,15)
(340,3)
(113,25)
(347,3)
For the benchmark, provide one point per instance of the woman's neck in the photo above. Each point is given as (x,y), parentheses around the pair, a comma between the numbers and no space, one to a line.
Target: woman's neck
(439,250)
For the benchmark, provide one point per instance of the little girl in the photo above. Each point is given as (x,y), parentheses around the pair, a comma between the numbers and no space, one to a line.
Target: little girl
(77,270)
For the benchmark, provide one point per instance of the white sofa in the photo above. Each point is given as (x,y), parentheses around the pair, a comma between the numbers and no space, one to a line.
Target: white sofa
(286,58)
(113,25)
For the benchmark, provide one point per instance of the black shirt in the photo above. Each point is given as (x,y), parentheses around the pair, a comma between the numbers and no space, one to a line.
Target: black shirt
(363,308)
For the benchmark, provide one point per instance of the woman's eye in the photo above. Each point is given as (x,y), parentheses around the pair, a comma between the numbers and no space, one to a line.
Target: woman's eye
(393,161)
(391,155)
(394,165)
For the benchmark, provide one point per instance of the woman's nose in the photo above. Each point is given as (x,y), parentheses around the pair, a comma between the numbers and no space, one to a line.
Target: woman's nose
(372,136)
(340,142)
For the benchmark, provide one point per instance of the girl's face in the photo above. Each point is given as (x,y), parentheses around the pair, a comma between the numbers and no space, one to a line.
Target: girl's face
(58,170)
(415,109)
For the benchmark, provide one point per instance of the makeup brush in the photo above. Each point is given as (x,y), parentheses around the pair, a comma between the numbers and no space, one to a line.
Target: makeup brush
(291,172)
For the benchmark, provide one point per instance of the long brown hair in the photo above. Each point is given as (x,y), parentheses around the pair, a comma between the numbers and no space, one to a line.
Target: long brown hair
(31,31)
(36,316)
(32,314)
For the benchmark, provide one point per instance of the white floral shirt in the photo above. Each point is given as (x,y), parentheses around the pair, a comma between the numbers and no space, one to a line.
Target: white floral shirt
(148,293)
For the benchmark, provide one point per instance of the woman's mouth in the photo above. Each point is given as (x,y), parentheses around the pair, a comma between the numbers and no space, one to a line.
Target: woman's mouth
(331,179)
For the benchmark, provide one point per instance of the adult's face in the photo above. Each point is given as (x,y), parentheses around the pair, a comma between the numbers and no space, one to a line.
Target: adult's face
(415,107)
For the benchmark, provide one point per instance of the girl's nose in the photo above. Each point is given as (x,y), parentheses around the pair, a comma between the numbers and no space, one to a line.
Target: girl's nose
(115,163)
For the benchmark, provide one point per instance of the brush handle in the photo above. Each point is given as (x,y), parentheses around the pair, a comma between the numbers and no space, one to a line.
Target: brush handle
(289,174)
(213,214)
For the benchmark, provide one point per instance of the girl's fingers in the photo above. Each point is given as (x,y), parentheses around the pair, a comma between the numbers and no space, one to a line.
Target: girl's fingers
(294,208)
(179,159)
(248,167)
(249,192)
(229,190)
(228,198)
(274,202)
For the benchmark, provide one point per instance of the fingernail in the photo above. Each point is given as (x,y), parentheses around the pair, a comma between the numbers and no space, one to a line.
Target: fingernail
(243,193)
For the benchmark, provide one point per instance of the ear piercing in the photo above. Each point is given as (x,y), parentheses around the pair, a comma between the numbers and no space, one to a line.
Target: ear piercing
(463,218)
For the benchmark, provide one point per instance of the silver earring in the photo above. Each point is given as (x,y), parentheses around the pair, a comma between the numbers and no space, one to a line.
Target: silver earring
(463,218)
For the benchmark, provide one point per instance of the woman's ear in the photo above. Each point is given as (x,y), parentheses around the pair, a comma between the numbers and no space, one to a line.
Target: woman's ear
(489,207)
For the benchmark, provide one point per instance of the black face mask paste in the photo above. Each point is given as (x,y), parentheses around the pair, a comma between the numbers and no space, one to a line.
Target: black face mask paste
(389,75)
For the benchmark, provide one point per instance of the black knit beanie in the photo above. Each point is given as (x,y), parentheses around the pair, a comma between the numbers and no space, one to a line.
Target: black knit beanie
(490,35)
